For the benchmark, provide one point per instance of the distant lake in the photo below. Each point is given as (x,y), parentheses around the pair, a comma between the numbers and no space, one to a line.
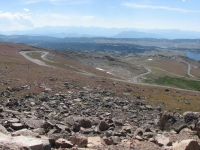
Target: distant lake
(192,55)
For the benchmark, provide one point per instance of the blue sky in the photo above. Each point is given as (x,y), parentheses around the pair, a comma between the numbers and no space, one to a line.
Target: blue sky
(141,14)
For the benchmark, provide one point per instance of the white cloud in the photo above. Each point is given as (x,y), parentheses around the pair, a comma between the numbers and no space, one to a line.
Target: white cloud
(18,16)
(15,21)
(58,16)
(139,6)
(66,20)
(26,9)
(87,17)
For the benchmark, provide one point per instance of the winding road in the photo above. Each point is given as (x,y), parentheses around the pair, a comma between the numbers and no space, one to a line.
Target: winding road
(135,79)
(189,68)
(39,62)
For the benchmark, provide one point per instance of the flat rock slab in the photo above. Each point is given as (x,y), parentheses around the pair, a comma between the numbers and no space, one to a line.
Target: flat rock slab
(34,123)
(24,132)
(161,140)
(22,142)
(62,143)
(10,146)
(94,142)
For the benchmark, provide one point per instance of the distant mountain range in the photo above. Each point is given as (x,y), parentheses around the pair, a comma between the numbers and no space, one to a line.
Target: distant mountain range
(70,31)
(135,34)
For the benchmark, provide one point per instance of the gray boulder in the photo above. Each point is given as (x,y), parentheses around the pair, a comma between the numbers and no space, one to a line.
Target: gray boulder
(103,126)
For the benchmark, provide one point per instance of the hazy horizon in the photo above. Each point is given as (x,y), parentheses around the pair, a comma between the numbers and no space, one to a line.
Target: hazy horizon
(132,14)
(127,28)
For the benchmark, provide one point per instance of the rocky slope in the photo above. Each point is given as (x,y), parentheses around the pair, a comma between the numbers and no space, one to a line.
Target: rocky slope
(43,108)
(95,120)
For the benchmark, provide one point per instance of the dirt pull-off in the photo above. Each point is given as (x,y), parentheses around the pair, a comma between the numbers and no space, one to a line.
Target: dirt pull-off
(39,62)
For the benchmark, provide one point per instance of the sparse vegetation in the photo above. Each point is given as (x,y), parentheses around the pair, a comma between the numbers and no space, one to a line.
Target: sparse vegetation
(175,82)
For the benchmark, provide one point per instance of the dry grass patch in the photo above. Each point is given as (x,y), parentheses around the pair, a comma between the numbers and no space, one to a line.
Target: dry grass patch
(172,100)
(170,65)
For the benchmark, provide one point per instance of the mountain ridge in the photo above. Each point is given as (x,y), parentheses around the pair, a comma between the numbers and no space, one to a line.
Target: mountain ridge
(73,31)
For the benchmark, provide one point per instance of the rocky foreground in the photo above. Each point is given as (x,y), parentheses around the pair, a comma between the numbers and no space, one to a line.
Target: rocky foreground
(91,120)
